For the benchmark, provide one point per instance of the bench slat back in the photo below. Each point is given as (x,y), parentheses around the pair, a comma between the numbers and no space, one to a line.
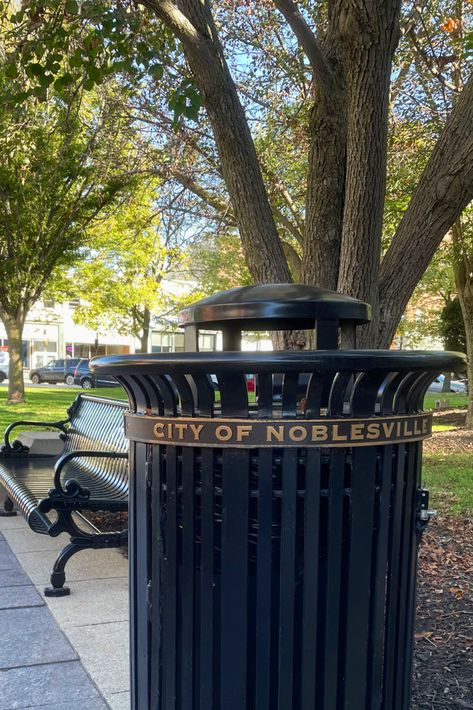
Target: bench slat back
(97,425)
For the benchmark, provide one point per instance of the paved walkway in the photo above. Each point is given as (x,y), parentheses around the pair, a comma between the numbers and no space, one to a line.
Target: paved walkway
(66,653)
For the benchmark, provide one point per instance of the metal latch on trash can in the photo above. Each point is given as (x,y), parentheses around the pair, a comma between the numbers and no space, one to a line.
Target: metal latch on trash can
(423,512)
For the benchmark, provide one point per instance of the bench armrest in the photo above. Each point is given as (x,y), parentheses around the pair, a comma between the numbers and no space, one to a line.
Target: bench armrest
(23,422)
(82,454)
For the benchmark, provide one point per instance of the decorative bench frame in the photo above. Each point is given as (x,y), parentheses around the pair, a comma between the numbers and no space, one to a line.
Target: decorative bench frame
(91,474)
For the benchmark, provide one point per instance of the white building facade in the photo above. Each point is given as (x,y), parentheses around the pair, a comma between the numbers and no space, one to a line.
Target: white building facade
(50,333)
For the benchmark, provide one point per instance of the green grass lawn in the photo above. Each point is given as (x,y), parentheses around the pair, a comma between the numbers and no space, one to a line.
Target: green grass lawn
(450,481)
(443,427)
(454,399)
(47,404)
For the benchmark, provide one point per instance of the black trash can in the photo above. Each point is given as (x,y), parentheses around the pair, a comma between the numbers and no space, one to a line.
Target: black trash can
(273,535)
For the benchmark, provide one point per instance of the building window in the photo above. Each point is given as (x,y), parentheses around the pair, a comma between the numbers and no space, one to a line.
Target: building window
(74,303)
(49,303)
(161,342)
(178,342)
(116,349)
(42,351)
(207,342)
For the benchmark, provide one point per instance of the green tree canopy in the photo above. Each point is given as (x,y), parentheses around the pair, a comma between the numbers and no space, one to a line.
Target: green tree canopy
(119,278)
(64,162)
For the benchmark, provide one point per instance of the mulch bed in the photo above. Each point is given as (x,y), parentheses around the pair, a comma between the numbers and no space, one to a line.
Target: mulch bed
(107,522)
(443,647)
(443,657)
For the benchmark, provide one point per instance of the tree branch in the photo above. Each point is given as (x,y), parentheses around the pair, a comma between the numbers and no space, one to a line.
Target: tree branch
(219,205)
(175,20)
(430,62)
(308,41)
(444,190)
(293,259)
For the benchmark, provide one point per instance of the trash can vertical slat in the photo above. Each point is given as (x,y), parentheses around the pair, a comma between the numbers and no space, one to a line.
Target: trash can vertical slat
(171,591)
(378,605)
(410,616)
(363,482)
(264,385)
(334,567)
(408,531)
(207,577)
(234,585)
(290,386)
(205,394)
(143,572)
(208,685)
(187,574)
(156,685)
(264,574)
(168,395)
(311,578)
(156,400)
(287,578)
(394,561)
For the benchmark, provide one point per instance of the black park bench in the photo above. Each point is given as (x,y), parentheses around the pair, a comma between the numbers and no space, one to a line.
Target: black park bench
(90,475)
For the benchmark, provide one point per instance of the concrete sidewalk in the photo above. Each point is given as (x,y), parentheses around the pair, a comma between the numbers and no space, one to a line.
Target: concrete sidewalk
(47,669)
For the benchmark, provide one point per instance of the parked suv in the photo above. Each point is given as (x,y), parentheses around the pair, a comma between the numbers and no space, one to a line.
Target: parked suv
(55,371)
(87,379)
(455,385)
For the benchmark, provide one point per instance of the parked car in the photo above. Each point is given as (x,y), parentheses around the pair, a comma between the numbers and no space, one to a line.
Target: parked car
(87,379)
(455,385)
(251,383)
(55,371)
(4,364)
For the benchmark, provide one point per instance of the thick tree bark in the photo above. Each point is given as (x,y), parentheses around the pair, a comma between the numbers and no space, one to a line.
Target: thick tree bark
(447,382)
(144,337)
(370,31)
(325,188)
(327,154)
(16,384)
(462,269)
(193,23)
(443,192)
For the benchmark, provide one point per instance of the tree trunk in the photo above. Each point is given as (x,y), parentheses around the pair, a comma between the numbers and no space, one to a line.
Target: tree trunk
(463,270)
(325,188)
(446,382)
(16,383)
(144,337)
(370,31)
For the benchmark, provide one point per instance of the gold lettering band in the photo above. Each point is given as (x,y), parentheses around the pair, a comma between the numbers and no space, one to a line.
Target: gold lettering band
(257,433)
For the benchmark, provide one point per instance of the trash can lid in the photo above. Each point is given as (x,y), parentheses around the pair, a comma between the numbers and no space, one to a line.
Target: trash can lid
(274,307)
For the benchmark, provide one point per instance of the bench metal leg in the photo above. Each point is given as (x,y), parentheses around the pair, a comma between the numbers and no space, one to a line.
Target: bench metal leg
(80,540)
(58,575)
(7,510)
